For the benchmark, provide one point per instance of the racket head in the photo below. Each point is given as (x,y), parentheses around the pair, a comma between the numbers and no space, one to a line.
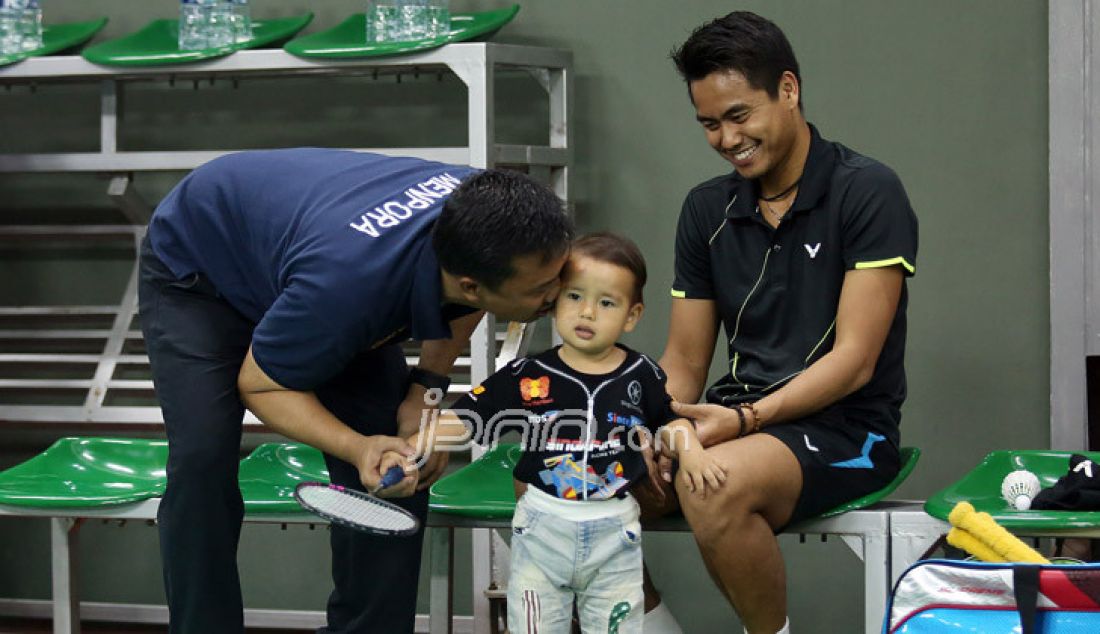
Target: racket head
(355,509)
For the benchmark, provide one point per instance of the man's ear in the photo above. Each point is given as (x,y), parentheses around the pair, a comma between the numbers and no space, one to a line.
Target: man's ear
(470,289)
(634,316)
(789,88)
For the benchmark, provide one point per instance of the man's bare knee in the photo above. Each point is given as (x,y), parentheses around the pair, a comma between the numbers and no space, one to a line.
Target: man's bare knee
(716,513)
(763,480)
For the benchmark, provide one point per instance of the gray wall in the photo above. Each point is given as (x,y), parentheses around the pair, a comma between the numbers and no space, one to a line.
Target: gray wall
(952,96)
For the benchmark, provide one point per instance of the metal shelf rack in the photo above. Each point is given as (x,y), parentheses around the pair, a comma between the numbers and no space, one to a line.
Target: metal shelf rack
(104,342)
(98,342)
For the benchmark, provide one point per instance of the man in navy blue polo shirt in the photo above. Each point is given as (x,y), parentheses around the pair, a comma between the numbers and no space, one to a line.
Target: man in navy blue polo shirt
(801,254)
(283,281)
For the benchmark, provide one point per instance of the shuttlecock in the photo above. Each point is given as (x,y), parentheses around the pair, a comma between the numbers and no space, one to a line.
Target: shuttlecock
(1019,488)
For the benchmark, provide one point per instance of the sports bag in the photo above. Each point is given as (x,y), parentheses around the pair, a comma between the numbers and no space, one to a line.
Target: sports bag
(937,596)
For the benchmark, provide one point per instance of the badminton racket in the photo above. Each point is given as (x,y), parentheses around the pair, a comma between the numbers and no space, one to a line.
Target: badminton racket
(356,509)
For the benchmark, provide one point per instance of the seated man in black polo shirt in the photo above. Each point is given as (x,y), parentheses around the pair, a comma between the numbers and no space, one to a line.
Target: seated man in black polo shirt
(801,253)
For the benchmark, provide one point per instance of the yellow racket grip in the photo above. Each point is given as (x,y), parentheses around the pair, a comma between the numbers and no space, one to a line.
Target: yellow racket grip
(959,538)
(994,537)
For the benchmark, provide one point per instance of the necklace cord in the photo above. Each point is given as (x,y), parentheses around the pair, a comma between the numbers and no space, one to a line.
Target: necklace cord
(778,217)
(781,195)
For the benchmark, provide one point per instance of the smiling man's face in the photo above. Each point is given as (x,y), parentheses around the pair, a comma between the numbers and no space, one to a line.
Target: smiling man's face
(745,125)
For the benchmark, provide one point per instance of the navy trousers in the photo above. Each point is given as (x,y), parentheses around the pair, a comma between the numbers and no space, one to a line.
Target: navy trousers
(196,343)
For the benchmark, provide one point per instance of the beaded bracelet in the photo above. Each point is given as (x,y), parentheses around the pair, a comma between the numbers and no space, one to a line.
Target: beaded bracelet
(755,417)
(745,428)
(741,416)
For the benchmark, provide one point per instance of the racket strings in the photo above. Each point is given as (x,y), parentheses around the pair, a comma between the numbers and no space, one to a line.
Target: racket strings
(348,507)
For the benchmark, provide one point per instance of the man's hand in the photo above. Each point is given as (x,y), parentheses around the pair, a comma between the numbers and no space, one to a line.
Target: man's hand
(370,452)
(432,469)
(405,487)
(414,416)
(714,424)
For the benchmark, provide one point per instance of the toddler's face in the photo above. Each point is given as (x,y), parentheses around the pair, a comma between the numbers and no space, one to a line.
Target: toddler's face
(595,304)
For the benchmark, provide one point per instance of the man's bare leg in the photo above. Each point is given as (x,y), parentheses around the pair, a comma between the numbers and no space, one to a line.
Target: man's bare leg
(652,597)
(734,527)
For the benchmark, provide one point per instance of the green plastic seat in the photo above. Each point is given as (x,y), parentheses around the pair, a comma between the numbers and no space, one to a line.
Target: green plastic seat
(157,44)
(483,488)
(908,457)
(88,472)
(57,38)
(982,488)
(269,474)
(349,38)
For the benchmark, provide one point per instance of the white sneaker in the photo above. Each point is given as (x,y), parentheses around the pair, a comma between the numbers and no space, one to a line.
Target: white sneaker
(660,621)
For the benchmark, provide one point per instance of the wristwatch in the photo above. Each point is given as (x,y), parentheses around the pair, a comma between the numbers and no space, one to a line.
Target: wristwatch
(429,379)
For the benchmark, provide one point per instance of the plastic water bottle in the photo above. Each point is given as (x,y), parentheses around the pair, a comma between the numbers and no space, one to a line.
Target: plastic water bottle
(240,20)
(426,19)
(206,24)
(30,25)
(192,29)
(405,20)
(9,29)
(11,35)
(414,20)
(438,18)
(384,21)
(220,25)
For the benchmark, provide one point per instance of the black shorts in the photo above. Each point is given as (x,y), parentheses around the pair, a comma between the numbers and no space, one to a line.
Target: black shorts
(844,455)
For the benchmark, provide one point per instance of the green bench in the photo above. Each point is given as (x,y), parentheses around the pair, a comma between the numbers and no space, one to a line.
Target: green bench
(76,473)
(916,529)
(87,472)
(981,486)
(122,479)
(269,474)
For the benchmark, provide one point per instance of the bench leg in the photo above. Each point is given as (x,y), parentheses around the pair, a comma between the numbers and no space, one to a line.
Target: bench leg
(876,580)
(440,603)
(873,550)
(912,533)
(65,569)
(482,543)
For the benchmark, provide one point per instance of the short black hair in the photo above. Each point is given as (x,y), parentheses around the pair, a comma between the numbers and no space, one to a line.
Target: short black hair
(613,248)
(495,216)
(741,41)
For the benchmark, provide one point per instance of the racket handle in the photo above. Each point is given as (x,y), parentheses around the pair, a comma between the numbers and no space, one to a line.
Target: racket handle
(392,477)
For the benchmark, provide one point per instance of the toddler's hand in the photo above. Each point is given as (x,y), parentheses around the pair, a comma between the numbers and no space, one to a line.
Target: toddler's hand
(700,470)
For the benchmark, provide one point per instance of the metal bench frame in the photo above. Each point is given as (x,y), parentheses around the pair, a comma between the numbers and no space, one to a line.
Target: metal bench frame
(867,532)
